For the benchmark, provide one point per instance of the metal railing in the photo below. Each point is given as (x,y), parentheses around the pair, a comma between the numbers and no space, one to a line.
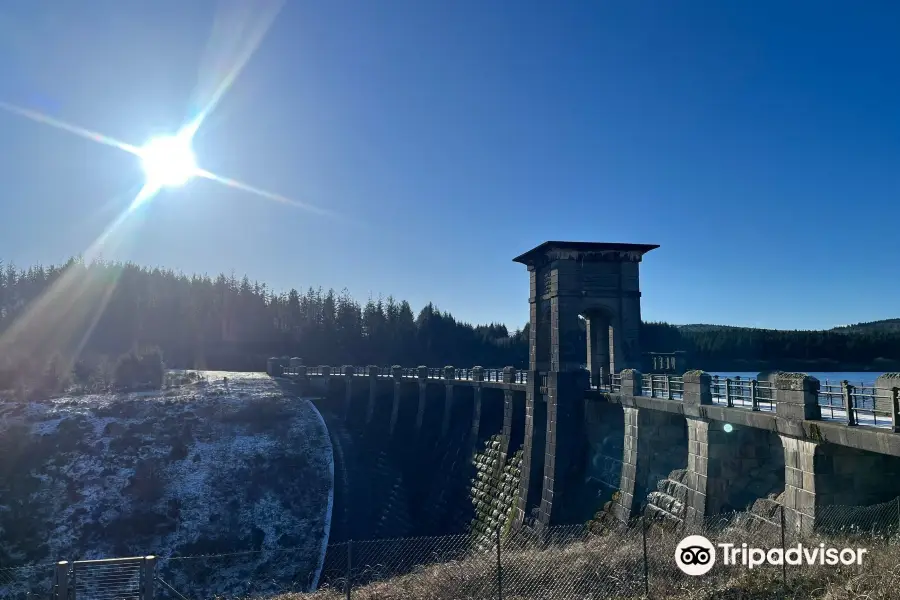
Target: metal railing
(106,579)
(863,404)
(739,392)
(662,386)
(616,382)
(463,374)
(490,375)
(493,375)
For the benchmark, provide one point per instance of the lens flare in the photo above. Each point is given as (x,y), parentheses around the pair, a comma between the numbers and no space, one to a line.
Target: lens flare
(168,161)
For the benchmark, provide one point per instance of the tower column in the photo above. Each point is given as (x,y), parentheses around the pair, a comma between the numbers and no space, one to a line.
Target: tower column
(597,333)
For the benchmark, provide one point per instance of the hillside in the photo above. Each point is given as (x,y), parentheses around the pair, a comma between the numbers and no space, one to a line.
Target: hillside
(885,325)
(698,327)
(882,326)
(203,469)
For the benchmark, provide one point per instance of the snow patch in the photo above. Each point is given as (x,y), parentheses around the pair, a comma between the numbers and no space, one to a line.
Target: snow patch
(203,469)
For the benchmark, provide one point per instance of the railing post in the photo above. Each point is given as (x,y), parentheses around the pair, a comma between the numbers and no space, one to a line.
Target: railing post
(847,394)
(697,392)
(632,382)
(651,386)
(729,402)
(796,397)
(669,387)
(326,377)
(885,397)
(148,575)
(646,570)
(61,581)
(783,545)
(754,398)
(895,409)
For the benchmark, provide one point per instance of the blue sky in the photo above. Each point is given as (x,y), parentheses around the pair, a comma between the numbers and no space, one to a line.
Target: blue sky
(756,142)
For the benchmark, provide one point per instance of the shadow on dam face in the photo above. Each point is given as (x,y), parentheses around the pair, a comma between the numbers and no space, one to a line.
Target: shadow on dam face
(744,464)
(403,456)
(602,468)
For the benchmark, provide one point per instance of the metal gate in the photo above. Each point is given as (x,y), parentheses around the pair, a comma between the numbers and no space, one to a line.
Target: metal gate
(109,579)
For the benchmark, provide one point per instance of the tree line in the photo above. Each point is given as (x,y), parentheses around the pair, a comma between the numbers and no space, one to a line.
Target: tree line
(82,316)
(712,348)
(79,319)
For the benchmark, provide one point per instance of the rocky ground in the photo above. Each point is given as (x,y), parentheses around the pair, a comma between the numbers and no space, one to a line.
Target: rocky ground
(205,469)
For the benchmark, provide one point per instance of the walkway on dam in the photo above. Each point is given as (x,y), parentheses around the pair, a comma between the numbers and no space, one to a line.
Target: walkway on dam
(867,402)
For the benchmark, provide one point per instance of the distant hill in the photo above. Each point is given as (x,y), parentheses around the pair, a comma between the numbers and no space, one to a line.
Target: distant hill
(700,327)
(884,325)
(891,325)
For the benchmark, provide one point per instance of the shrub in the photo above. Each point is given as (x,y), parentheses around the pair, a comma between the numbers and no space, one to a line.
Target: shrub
(140,369)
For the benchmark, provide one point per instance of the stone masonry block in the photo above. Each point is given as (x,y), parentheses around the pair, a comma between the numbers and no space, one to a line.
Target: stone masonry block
(806,502)
(793,477)
(697,390)
(631,382)
(808,481)
(796,397)
(807,458)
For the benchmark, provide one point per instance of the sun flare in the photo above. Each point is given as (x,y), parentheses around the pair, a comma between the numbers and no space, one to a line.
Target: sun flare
(168,161)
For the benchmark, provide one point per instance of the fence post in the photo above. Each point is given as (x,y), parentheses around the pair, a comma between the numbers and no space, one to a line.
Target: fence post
(898,514)
(783,549)
(61,583)
(347,585)
(847,393)
(728,401)
(646,569)
(754,397)
(499,568)
(148,574)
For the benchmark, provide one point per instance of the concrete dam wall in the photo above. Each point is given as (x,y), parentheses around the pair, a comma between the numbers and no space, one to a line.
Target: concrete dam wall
(419,460)
(448,451)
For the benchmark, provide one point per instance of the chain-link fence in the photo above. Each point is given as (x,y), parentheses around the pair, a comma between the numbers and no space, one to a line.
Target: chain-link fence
(253,573)
(644,558)
(633,560)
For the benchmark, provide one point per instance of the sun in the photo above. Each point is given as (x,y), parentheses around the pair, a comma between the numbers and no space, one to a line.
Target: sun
(168,161)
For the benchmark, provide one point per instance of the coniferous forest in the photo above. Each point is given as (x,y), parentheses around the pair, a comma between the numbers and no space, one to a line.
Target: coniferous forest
(82,318)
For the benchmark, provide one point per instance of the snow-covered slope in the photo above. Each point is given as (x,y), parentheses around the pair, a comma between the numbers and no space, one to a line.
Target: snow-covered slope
(200,470)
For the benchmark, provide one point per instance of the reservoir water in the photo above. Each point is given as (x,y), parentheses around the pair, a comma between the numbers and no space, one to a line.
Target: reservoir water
(855,377)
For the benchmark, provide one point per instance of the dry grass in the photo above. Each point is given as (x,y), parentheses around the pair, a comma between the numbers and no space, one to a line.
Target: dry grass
(612,566)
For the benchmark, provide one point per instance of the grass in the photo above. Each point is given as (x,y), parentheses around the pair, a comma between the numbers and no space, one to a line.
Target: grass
(612,566)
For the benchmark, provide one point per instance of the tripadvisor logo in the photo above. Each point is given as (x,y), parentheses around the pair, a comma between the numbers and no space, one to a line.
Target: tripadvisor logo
(696,555)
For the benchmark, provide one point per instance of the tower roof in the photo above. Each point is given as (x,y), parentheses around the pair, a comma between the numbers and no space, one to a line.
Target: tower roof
(584,251)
